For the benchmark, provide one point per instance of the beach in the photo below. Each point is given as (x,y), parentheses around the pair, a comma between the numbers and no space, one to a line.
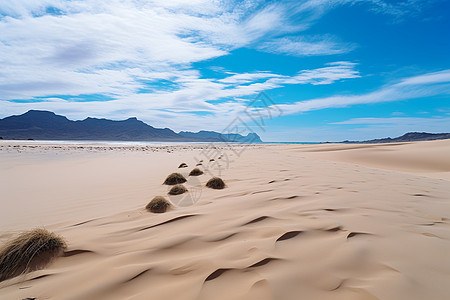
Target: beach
(313,221)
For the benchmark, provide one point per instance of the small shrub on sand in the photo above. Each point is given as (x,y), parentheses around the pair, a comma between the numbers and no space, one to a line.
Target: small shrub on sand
(158,204)
(196,172)
(199,164)
(31,250)
(177,190)
(174,178)
(212,159)
(182,165)
(215,183)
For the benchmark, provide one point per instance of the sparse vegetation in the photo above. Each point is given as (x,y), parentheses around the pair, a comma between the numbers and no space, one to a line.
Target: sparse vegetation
(158,204)
(177,190)
(174,178)
(183,165)
(31,250)
(196,172)
(215,183)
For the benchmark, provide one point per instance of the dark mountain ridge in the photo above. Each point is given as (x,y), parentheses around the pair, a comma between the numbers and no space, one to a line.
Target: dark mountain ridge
(46,125)
(407,137)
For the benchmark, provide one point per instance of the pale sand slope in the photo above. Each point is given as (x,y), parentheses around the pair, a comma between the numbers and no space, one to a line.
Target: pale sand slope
(295,222)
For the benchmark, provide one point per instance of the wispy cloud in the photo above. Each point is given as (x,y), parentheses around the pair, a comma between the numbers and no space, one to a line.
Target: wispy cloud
(439,122)
(191,95)
(426,85)
(307,46)
(56,47)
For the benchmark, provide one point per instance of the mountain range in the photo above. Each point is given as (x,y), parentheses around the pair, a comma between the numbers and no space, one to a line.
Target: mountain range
(407,137)
(46,125)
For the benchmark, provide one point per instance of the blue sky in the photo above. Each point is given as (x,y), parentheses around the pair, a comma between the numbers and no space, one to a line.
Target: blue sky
(336,70)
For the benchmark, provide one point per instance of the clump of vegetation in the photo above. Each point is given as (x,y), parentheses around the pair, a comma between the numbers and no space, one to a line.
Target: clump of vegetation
(174,178)
(199,164)
(183,165)
(212,159)
(177,190)
(158,204)
(31,250)
(215,183)
(196,172)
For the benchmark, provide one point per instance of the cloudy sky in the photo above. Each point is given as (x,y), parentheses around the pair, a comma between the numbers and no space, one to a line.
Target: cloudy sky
(336,70)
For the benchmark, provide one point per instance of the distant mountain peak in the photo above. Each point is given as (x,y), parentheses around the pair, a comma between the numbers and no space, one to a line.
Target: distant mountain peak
(40,113)
(35,111)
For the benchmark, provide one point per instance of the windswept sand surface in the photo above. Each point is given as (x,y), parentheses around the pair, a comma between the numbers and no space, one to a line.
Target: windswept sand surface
(295,222)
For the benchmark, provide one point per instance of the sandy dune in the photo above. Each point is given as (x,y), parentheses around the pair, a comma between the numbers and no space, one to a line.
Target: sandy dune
(295,221)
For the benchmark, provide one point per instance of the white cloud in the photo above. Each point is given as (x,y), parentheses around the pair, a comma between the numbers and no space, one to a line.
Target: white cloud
(192,95)
(243,78)
(93,53)
(418,122)
(430,78)
(398,9)
(306,46)
(426,85)
(109,47)
(50,48)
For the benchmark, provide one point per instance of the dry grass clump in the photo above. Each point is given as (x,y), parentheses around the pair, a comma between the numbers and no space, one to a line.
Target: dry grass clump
(215,183)
(177,190)
(159,204)
(31,250)
(174,178)
(183,165)
(212,159)
(196,172)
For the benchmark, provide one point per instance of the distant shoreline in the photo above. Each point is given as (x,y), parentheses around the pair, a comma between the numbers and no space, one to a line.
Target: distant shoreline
(144,143)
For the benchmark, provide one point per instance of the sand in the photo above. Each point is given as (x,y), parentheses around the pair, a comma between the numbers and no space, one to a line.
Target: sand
(327,221)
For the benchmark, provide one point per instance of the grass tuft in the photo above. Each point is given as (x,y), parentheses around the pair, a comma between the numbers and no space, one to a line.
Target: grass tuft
(215,183)
(158,204)
(177,190)
(196,172)
(31,250)
(174,178)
